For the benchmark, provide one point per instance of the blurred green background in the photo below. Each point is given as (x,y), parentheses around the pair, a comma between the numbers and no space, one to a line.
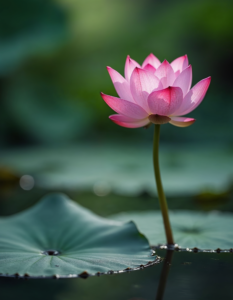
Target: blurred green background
(54,124)
(53,58)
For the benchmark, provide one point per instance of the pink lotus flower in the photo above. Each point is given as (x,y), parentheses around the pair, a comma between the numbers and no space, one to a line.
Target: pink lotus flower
(155,93)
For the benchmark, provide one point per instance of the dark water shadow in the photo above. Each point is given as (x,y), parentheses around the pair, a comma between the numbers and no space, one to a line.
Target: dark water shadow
(164,275)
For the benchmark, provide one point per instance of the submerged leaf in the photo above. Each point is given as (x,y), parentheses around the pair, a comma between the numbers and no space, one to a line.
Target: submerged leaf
(57,237)
(191,229)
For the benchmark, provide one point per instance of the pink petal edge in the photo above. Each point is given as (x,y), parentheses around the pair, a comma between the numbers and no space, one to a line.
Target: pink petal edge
(125,107)
(128,122)
(121,85)
(152,60)
(181,121)
(184,80)
(180,63)
(130,65)
(194,97)
(149,68)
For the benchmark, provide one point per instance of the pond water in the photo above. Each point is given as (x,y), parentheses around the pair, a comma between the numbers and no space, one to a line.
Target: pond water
(189,276)
(181,275)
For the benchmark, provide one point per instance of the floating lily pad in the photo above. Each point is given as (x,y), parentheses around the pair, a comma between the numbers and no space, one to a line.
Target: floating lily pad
(191,229)
(124,170)
(57,237)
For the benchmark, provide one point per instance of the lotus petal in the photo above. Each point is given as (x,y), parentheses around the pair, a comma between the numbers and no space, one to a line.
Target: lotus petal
(181,121)
(142,83)
(179,64)
(152,60)
(149,68)
(166,101)
(125,107)
(165,74)
(184,80)
(121,85)
(130,65)
(194,97)
(128,122)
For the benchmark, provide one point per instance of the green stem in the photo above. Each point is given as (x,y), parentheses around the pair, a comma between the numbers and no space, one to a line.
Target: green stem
(161,195)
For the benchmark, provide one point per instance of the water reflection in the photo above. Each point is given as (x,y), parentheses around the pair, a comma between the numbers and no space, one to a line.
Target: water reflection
(164,275)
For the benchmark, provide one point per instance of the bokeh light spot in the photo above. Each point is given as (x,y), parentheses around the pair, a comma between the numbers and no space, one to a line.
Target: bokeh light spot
(27,182)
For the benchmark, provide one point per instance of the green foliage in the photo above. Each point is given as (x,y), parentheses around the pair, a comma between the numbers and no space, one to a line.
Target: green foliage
(28,28)
(82,241)
(43,112)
